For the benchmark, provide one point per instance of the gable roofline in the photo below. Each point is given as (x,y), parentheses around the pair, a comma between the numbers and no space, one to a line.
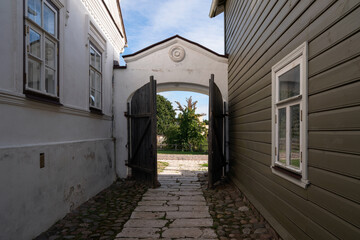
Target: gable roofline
(121,19)
(171,38)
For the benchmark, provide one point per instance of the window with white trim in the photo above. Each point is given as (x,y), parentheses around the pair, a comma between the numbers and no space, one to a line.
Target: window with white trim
(41,43)
(95,77)
(289,117)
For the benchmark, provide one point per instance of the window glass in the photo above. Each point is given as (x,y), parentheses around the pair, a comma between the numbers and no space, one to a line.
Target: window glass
(98,99)
(34,74)
(49,20)
(98,82)
(295,136)
(35,43)
(98,62)
(92,79)
(92,57)
(50,53)
(92,97)
(282,136)
(34,11)
(50,81)
(289,83)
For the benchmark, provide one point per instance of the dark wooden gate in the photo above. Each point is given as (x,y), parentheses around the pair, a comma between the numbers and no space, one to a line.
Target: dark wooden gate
(142,153)
(217,160)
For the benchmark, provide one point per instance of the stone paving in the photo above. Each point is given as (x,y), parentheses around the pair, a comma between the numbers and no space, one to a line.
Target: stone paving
(234,216)
(176,210)
(182,208)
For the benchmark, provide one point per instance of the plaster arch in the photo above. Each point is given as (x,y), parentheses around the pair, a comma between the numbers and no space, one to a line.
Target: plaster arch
(177,64)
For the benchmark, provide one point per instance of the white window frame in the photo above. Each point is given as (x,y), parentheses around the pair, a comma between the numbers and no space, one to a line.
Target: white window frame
(297,57)
(44,36)
(99,71)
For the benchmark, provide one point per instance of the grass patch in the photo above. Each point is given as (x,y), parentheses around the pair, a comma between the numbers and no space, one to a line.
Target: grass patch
(180,152)
(204,165)
(161,166)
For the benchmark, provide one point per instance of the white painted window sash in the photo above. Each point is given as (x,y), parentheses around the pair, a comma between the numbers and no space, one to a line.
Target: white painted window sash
(297,57)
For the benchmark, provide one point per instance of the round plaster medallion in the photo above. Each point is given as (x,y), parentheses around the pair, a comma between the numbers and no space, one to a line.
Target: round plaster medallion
(177,53)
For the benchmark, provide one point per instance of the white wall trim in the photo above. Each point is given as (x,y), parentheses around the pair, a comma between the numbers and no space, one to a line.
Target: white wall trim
(100,15)
(20,100)
(55,143)
(172,42)
(297,56)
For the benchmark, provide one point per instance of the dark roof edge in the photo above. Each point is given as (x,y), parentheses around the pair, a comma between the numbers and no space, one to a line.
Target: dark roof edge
(170,38)
(119,67)
(122,20)
(112,18)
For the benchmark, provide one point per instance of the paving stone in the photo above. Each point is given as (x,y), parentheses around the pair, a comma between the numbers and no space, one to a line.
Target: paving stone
(151,203)
(187,193)
(209,233)
(148,223)
(156,208)
(198,222)
(192,198)
(193,208)
(182,233)
(139,233)
(187,203)
(161,198)
(178,215)
(147,215)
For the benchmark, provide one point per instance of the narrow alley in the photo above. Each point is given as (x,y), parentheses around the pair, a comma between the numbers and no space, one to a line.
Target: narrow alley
(182,208)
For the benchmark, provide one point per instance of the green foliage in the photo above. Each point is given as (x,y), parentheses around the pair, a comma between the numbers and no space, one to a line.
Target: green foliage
(172,134)
(165,114)
(188,130)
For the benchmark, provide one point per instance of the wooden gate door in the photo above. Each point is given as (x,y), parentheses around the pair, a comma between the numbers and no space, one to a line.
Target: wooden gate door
(142,153)
(217,160)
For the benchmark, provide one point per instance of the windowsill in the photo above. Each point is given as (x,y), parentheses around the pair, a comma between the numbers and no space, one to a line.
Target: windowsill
(290,176)
(42,97)
(96,111)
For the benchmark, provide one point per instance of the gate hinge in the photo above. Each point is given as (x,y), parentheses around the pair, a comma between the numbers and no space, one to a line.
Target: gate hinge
(126,114)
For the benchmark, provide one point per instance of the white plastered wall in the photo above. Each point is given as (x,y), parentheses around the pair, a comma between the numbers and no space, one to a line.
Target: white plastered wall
(190,74)
(78,144)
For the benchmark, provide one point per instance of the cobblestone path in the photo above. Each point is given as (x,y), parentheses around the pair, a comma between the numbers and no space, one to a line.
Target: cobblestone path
(181,208)
(176,210)
(102,217)
(234,217)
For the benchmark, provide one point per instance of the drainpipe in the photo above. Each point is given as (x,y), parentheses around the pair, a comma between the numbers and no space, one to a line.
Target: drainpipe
(113,122)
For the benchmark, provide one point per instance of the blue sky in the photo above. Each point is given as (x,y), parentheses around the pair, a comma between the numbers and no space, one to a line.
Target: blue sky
(150,21)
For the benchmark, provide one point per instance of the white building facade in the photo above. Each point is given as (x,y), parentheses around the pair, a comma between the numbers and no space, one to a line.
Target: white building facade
(56,105)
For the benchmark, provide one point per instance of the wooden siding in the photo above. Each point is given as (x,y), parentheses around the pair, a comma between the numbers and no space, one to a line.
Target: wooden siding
(258,34)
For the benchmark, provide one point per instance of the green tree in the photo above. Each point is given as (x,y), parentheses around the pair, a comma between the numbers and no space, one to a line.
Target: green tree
(191,130)
(165,114)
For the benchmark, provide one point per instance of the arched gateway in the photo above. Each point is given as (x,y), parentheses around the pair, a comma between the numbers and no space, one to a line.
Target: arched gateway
(176,64)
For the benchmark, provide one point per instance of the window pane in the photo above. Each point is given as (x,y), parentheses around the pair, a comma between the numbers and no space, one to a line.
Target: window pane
(92,57)
(34,10)
(295,136)
(50,53)
(35,43)
(50,81)
(98,82)
(98,99)
(49,20)
(282,136)
(92,79)
(289,83)
(98,62)
(34,74)
(92,97)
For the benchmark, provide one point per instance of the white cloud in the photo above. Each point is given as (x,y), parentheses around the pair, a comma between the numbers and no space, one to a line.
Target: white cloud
(148,22)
